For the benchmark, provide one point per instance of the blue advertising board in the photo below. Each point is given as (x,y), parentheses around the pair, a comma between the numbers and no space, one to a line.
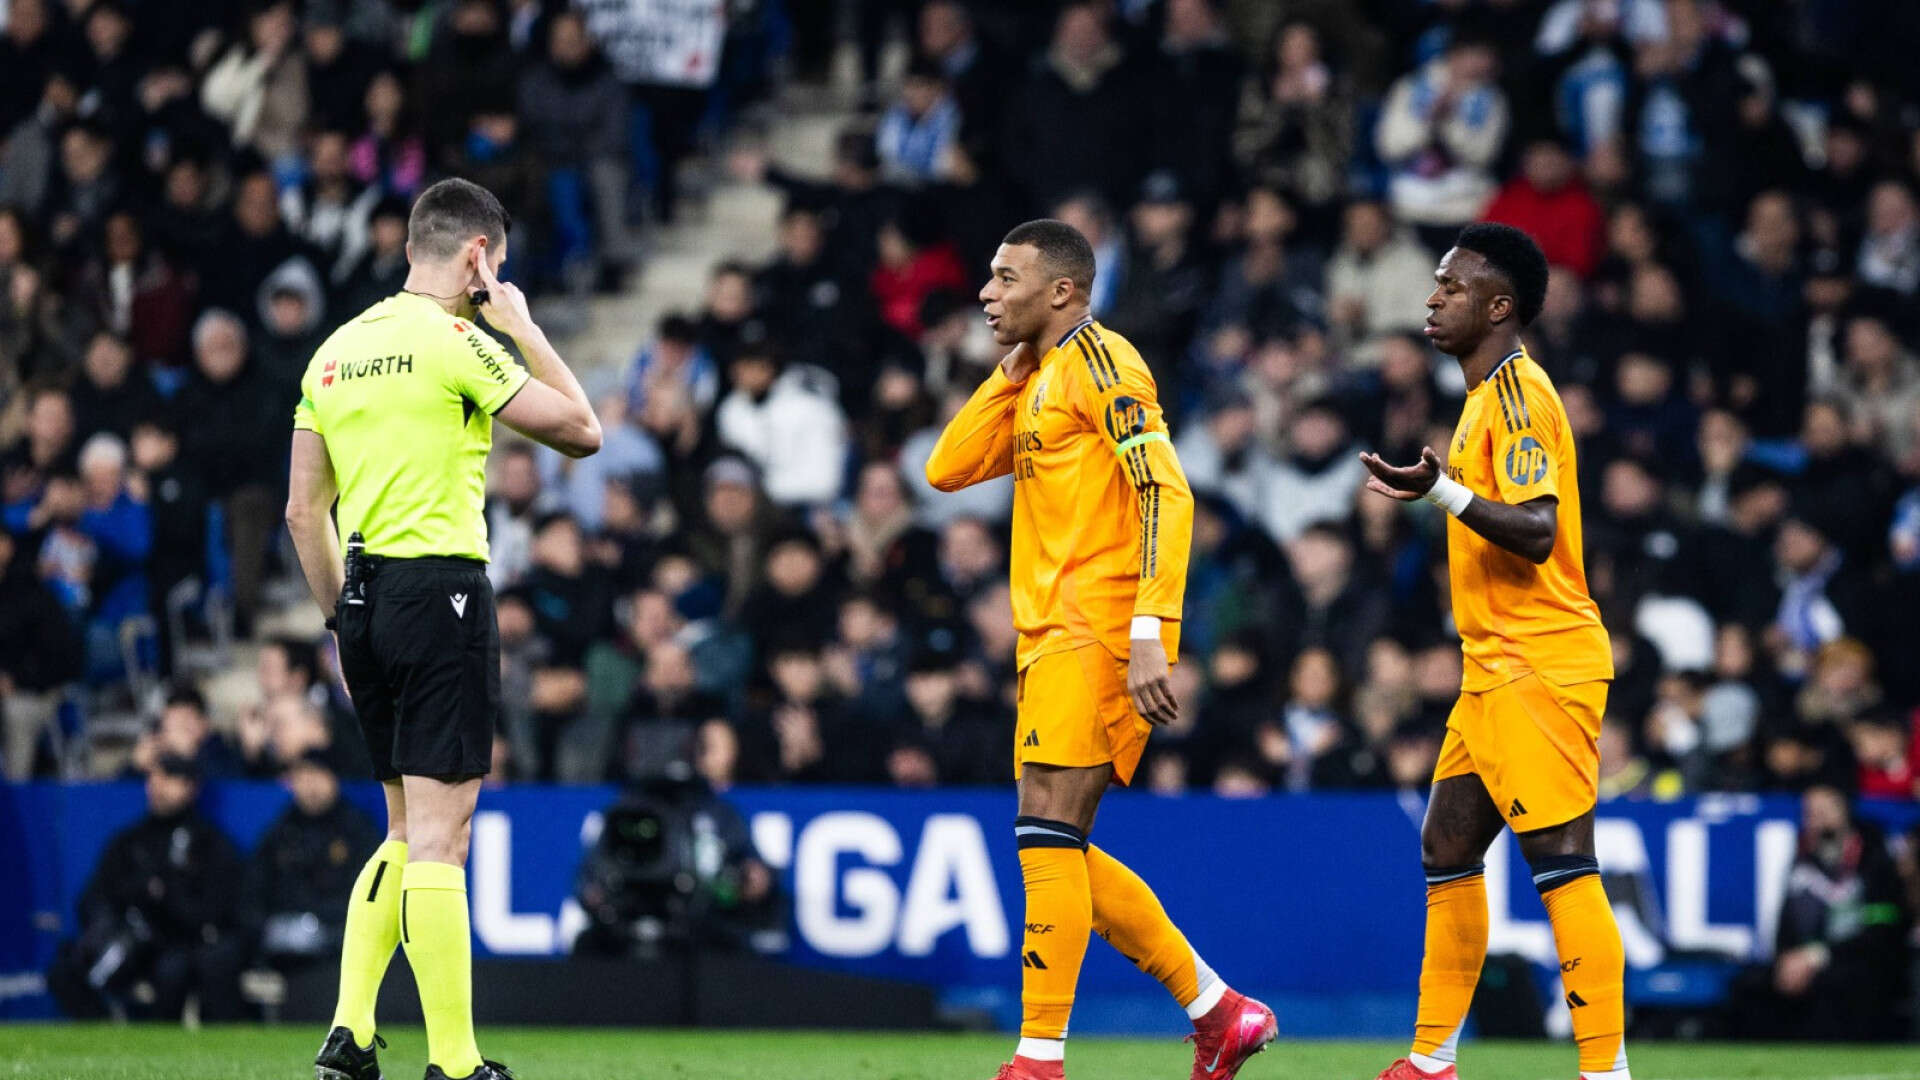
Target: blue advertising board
(1314,902)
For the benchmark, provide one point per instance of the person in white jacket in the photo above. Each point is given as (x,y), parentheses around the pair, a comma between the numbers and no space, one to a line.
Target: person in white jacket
(1440,131)
(789,424)
(1378,280)
(258,87)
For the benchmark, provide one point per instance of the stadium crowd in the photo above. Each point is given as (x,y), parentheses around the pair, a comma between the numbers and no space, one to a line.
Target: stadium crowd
(753,574)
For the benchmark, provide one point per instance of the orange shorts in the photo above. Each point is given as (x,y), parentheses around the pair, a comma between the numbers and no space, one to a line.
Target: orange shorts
(1534,744)
(1075,711)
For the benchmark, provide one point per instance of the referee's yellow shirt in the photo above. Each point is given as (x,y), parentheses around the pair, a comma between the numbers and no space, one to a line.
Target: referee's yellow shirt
(405,396)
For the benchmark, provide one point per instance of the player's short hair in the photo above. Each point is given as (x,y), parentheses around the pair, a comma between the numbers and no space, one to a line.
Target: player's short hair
(1064,253)
(1513,255)
(452,212)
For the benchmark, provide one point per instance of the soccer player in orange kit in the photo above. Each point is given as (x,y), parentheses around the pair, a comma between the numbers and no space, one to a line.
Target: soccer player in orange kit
(1102,517)
(1521,748)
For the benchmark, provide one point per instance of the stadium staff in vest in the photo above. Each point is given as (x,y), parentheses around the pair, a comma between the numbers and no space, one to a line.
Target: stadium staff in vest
(394,421)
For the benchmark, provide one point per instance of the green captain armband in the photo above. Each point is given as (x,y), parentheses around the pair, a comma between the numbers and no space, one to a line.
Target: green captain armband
(1142,438)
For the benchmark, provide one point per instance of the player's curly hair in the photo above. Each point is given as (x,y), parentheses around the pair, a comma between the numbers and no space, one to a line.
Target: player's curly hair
(1513,255)
(1064,253)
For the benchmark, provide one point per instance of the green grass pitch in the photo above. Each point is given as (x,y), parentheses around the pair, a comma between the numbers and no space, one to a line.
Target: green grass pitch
(94,1052)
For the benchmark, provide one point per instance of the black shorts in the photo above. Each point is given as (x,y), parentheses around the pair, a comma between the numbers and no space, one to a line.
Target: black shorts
(422,661)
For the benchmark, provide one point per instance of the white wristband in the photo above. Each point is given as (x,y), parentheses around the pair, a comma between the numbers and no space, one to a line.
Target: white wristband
(1449,494)
(1145,628)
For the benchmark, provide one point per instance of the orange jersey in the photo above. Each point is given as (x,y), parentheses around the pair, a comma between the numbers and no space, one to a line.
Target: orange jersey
(1514,445)
(1102,514)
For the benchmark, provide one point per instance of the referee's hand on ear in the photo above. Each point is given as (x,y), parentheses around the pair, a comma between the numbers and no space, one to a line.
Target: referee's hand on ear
(506,306)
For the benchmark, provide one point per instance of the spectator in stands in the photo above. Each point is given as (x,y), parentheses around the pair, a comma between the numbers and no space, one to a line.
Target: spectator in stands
(86,188)
(914,263)
(40,652)
(258,87)
(919,134)
(576,117)
(1887,746)
(330,209)
(1890,250)
(787,424)
(1549,201)
(1880,384)
(339,65)
(176,499)
(468,73)
(119,530)
(799,729)
(567,599)
(46,449)
(1295,126)
(944,738)
(664,712)
(234,438)
(1158,299)
(1197,72)
(1338,610)
(159,911)
(256,245)
(1378,281)
(381,270)
(1315,481)
(514,502)
(292,312)
(278,731)
(389,152)
(1440,130)
(185,731)
(293,898)
(674,358)
(1839,967)
(1079,120)
(112,395)
(1625,773)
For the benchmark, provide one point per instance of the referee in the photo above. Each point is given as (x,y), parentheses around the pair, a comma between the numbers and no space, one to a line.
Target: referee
(395,420)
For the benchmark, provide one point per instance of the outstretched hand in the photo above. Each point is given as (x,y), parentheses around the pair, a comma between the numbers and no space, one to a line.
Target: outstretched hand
(1405,484)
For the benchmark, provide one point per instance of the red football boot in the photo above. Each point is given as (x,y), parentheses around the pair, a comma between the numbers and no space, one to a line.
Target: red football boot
(1235,1029)
(1407,1070)
(1022,1068)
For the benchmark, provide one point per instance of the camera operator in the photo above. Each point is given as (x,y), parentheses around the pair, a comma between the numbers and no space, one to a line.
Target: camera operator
(158,914)
(674,869)
(301,875)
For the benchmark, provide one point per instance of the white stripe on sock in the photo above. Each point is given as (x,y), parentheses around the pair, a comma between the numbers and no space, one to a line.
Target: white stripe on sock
(1427,1064)
(1610,1074)
(1210,994)
(1042,1049)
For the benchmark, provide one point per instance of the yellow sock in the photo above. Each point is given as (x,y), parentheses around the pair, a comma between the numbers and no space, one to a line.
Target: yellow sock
(373,931)
(1456,948)
(1592,966)
(435,930)
(1053,862)
(1131,919)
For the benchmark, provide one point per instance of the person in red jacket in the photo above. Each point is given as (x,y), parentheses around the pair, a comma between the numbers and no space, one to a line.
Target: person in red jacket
(914,262)
(1549,201)
(1887,746)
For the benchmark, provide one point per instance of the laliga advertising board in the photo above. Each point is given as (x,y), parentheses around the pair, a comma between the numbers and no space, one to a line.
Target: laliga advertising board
(925,886)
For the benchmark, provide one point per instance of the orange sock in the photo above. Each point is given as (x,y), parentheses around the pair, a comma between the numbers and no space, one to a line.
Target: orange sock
(1592,962)
(1131,919)
(1456,948)
(1053,862)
